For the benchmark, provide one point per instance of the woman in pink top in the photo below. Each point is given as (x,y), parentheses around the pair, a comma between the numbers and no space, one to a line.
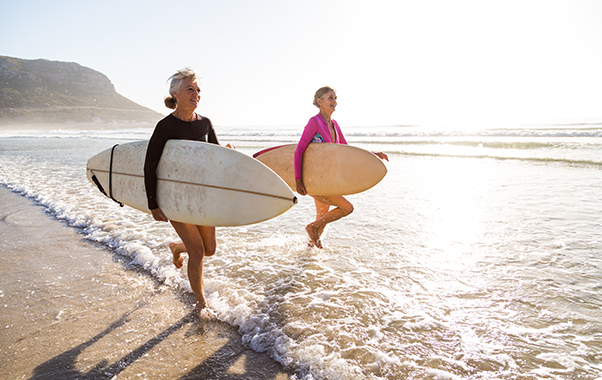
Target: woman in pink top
(322,129)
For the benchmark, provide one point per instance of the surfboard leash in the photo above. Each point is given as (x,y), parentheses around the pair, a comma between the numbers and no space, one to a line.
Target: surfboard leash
(97,182)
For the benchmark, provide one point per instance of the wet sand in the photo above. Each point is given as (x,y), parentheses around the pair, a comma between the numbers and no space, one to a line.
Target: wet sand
(71,309)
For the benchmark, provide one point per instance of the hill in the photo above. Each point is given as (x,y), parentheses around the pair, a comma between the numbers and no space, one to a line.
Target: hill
(43,91)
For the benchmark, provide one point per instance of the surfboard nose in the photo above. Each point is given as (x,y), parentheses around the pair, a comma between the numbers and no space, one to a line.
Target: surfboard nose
(295,200)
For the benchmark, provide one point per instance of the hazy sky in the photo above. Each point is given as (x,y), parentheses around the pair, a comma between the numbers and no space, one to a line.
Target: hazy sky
(392,62)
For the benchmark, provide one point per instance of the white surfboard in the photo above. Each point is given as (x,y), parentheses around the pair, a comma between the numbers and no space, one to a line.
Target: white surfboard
(328,169)
(198,183)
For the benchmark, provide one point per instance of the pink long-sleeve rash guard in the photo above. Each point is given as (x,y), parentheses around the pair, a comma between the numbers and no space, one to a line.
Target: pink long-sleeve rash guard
(316,125)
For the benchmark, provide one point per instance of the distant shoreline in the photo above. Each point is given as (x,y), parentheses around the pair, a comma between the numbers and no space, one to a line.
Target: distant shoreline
(72,126)
(75,117)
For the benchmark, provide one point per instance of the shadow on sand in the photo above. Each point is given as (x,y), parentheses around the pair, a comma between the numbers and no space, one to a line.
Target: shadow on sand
(216,366)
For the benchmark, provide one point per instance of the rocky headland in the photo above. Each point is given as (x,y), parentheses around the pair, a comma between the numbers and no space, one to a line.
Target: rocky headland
(50,92)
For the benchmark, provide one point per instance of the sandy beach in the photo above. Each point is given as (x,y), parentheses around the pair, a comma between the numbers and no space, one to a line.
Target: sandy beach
(477,256)
(50,273)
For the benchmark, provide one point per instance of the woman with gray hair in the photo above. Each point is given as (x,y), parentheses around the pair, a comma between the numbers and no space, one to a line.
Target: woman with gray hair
(183,124)
(323,129)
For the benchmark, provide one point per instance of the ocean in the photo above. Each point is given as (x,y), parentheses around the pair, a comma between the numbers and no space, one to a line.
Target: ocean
(478,256)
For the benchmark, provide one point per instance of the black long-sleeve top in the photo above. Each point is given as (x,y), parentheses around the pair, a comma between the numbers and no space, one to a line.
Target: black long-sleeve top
(171,128)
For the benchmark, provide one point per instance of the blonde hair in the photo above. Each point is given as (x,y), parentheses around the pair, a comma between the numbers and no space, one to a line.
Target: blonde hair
(176,82)
(321,93)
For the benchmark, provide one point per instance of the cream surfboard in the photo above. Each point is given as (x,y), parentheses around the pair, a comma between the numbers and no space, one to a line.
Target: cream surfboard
(198,183)
(328,169)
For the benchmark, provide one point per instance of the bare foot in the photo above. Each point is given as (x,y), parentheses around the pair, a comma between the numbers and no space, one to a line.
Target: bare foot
(320,231)
(176,251)
(207,314)
(314,235)
(204,311)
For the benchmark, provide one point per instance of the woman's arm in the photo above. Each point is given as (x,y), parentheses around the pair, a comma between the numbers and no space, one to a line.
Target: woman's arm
(153,154)
(382,156)
(342,139)
(308,134)
(211,135)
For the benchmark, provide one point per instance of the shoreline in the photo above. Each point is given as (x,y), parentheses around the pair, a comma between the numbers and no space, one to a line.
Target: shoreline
(72,126)
(72,309)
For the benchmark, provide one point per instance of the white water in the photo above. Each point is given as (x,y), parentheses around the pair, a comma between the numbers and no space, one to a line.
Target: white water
(478,256)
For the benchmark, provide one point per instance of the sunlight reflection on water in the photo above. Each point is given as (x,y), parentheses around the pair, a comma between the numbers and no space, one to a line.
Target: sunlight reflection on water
(450,267)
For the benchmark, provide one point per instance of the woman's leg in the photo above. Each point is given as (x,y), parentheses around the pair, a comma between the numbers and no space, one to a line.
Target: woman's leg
(321,210)
(325,216)
(199,241)
(178,248)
